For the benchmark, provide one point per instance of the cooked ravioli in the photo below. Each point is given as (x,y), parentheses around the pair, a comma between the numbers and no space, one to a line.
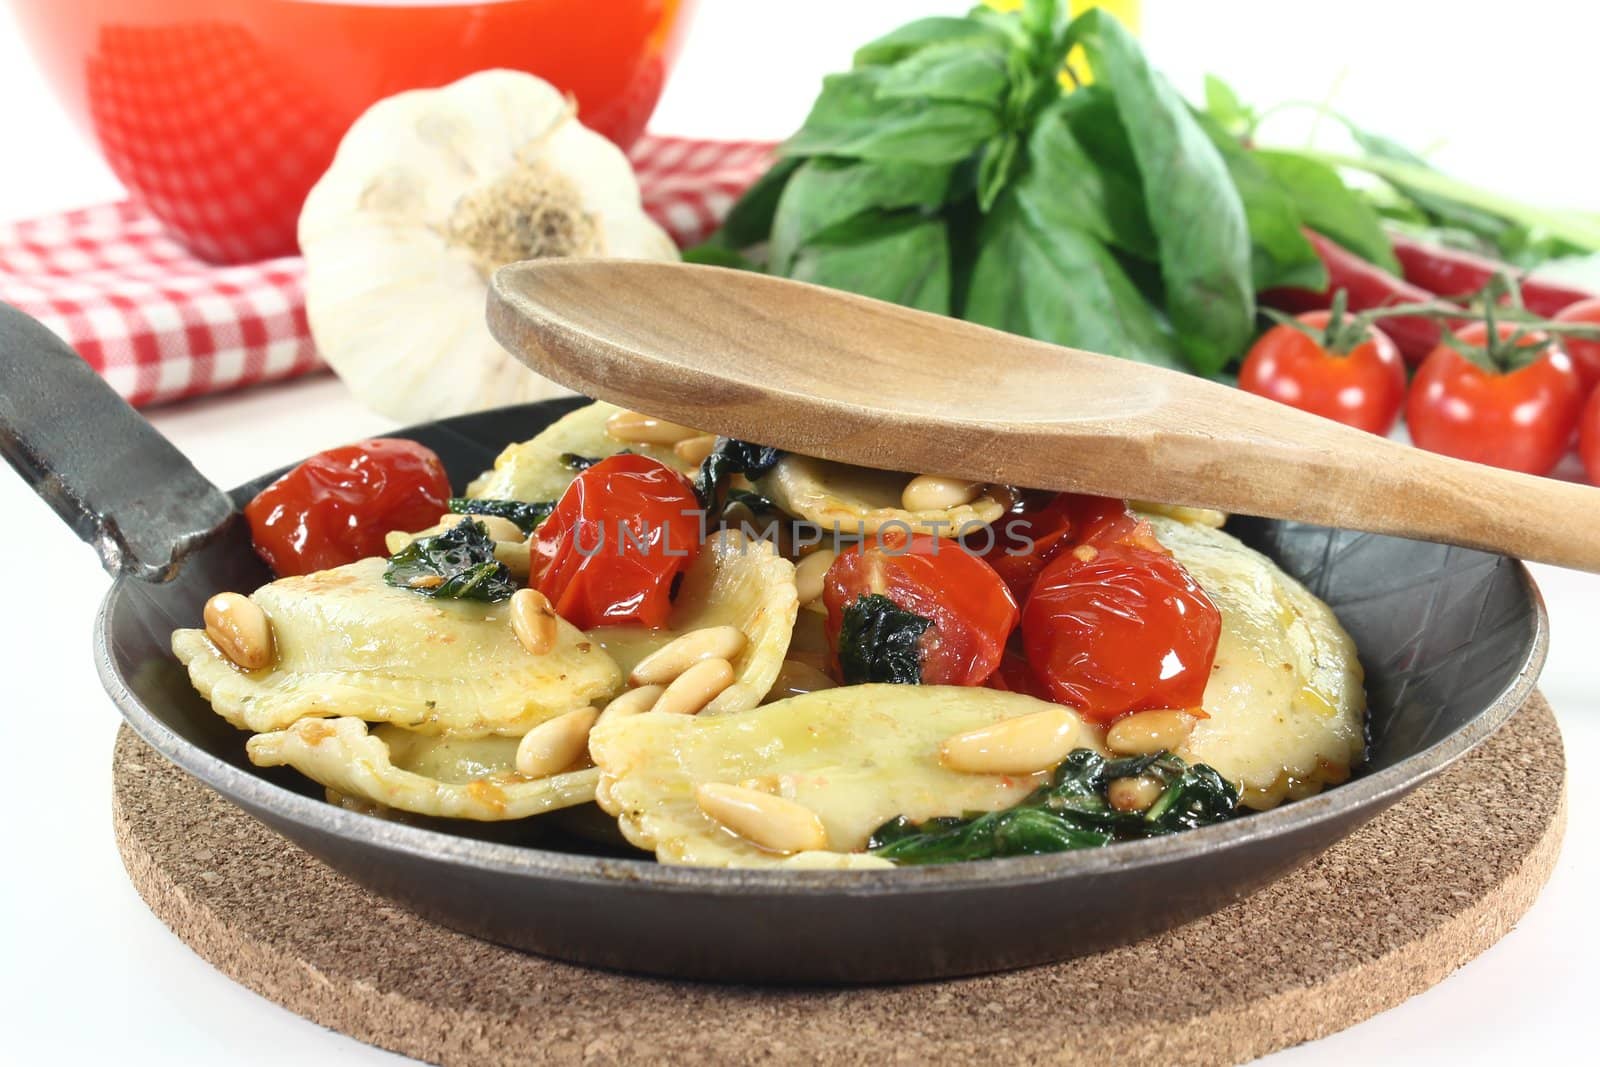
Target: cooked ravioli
(860,499)
(349,645)
(856,756)
(533,470)
(737,582)
(445,776)
(1285,700)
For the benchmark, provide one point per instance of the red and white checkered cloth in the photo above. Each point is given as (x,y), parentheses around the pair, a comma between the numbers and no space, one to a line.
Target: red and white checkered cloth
(160,324)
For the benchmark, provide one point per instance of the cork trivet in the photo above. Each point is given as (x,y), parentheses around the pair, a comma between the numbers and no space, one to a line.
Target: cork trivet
(1379,917)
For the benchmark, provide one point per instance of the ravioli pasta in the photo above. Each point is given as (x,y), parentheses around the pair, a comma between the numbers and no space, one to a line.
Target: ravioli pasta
(734,582)
(350,645)
(534,470)
(447,777)
(1285,701)
(857,756)
(851,499)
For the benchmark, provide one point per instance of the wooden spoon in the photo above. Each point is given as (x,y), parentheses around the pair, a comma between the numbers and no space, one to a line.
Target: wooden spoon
(847,378)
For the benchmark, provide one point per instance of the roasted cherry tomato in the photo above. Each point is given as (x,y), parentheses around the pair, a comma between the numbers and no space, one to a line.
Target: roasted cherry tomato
(1354,376)
(971,610)
(1025,539)
(615,544)
(1519,415)
(1584,352)
(1115,625)
(1589,437)
(336,507)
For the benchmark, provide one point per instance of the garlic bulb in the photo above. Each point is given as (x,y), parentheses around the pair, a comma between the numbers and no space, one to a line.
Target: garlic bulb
(430,191)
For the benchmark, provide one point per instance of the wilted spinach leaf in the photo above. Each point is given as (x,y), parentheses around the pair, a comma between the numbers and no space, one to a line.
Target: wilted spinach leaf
(458,564)
(574,462)
(1068,812)
(525,515)
(879,641)
(731,456)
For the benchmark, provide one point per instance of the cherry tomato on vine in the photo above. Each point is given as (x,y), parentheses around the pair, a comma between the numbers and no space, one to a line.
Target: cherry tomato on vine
(1585,353)
(1518,410)
(618,539)
(1116,625)
(969,608)
(1589,437)
(336,507)
(1355,376)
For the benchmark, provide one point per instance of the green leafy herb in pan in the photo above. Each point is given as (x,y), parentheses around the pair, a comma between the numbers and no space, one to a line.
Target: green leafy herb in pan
(879,641)
(1070,812)
(731,456)
(458,564)
(527,516)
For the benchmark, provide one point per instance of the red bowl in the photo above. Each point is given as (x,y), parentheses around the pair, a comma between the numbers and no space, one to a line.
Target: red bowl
(221,116)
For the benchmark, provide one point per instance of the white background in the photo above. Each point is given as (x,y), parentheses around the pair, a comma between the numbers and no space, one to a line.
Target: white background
(1504,93)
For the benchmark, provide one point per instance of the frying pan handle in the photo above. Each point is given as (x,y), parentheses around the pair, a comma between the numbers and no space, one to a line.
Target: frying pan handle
(108,473)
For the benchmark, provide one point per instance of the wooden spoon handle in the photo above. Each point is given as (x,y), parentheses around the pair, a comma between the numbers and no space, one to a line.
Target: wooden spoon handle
(1387,487)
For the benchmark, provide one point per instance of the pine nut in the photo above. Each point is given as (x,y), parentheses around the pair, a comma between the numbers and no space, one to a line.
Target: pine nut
(396,540)
(695,687)
(766,821)
(425,581)
(937,492)
(809,573)
(240,630)
(556,744)
(678,655)
(694,450)
(499,528)
(516,556)
(1133,794)
(1146,732)
(639,429)
(633,702)
(533,620)
(1022,745)
(795,678)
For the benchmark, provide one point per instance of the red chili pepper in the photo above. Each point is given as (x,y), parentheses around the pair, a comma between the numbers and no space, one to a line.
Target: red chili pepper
(1451,272)
(1369,286)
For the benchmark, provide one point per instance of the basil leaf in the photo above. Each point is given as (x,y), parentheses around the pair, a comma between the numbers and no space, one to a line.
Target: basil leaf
(712,254)
(1226,109)
(1066,187)
(900,257)
(1058,283)
(1193,207)
(826,192)
(964,75)
(879,641)
(849,119)
(749,220)
(458,564)
(1280,255)
(527,516)
(1328,206)
(913,37)
(574,462)
(1071,811)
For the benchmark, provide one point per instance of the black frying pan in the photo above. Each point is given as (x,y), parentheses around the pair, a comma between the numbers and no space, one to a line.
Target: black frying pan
(1452,641)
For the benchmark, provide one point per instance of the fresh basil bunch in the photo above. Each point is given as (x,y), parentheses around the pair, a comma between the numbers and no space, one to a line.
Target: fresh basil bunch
(954,170)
